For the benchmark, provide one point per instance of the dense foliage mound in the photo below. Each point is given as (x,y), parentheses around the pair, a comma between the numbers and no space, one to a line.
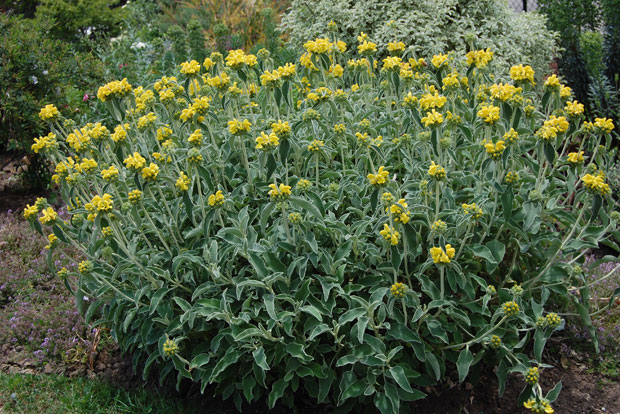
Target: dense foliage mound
(354,229)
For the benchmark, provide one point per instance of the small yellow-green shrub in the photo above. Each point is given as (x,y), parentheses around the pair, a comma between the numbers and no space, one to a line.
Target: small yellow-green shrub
(355,229)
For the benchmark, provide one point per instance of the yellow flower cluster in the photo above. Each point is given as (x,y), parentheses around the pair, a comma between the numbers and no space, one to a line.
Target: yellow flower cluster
(48,216)
(574,108)
(146,121)
(85,266)
(359,64)
(522,74)
(195,138)
(452,81)
(398,290)
(316,145)
(496,341)
(511,136)
(553,82)
(267,142)
(367,48)
(396,47)
(391,62)
(604,125)
(479,58)
(596,183)
(280,193)
(295,218)
(44,143)
(510,308)
(552,127)
(432,100)
(170,348)
(79,140)
(304,184)
(390,234)
(440,255)
(190,68)
(87,165)
(120,132)
(489,114)
(135,161)
(287,71)
(319,46)
(575,157)
(110,174)
(30,211)
(217,199)
(553,320)
(380,178)
(280,128)
(135,196)
(270,79)
(512,177)
(436,171)
(505,92)
(532,376)
(49,113)
(114,89)
(237,127)
(399,211)
(439,226)
(432,118)
(182,182)
(495,150)
(320,94)
(439,60)
(220,82)
(150,173)
(99,203)
(144,98)
(538,407)
(53,241)
(472,210)
(237,58)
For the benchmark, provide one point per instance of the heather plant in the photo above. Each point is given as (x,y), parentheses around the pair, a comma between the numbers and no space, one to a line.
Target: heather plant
(429,27)
(353,229)
(38,311)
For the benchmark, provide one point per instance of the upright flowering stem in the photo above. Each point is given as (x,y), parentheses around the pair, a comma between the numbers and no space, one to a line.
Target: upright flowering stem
(532,281)
(156,229)
(172,217)
(202,201)
(372,164)
(244,155)
(436,200)
(219,217)
(285,221)
(441,282)
(316,163)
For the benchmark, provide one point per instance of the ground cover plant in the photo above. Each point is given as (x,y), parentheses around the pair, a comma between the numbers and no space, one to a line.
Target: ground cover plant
(353,229)
(57,394)
(33,302)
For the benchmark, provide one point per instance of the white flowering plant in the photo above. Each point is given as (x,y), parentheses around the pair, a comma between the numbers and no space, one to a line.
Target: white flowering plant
(357,230)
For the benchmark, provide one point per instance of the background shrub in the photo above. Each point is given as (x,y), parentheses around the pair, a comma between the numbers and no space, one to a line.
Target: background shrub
(34,71)
(430,27)
(590,45)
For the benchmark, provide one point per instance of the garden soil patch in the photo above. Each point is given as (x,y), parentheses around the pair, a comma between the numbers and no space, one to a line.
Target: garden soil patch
(582,392)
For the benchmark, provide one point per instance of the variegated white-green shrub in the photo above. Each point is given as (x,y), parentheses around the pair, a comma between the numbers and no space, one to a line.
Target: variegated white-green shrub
(430,26)
(356,233)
